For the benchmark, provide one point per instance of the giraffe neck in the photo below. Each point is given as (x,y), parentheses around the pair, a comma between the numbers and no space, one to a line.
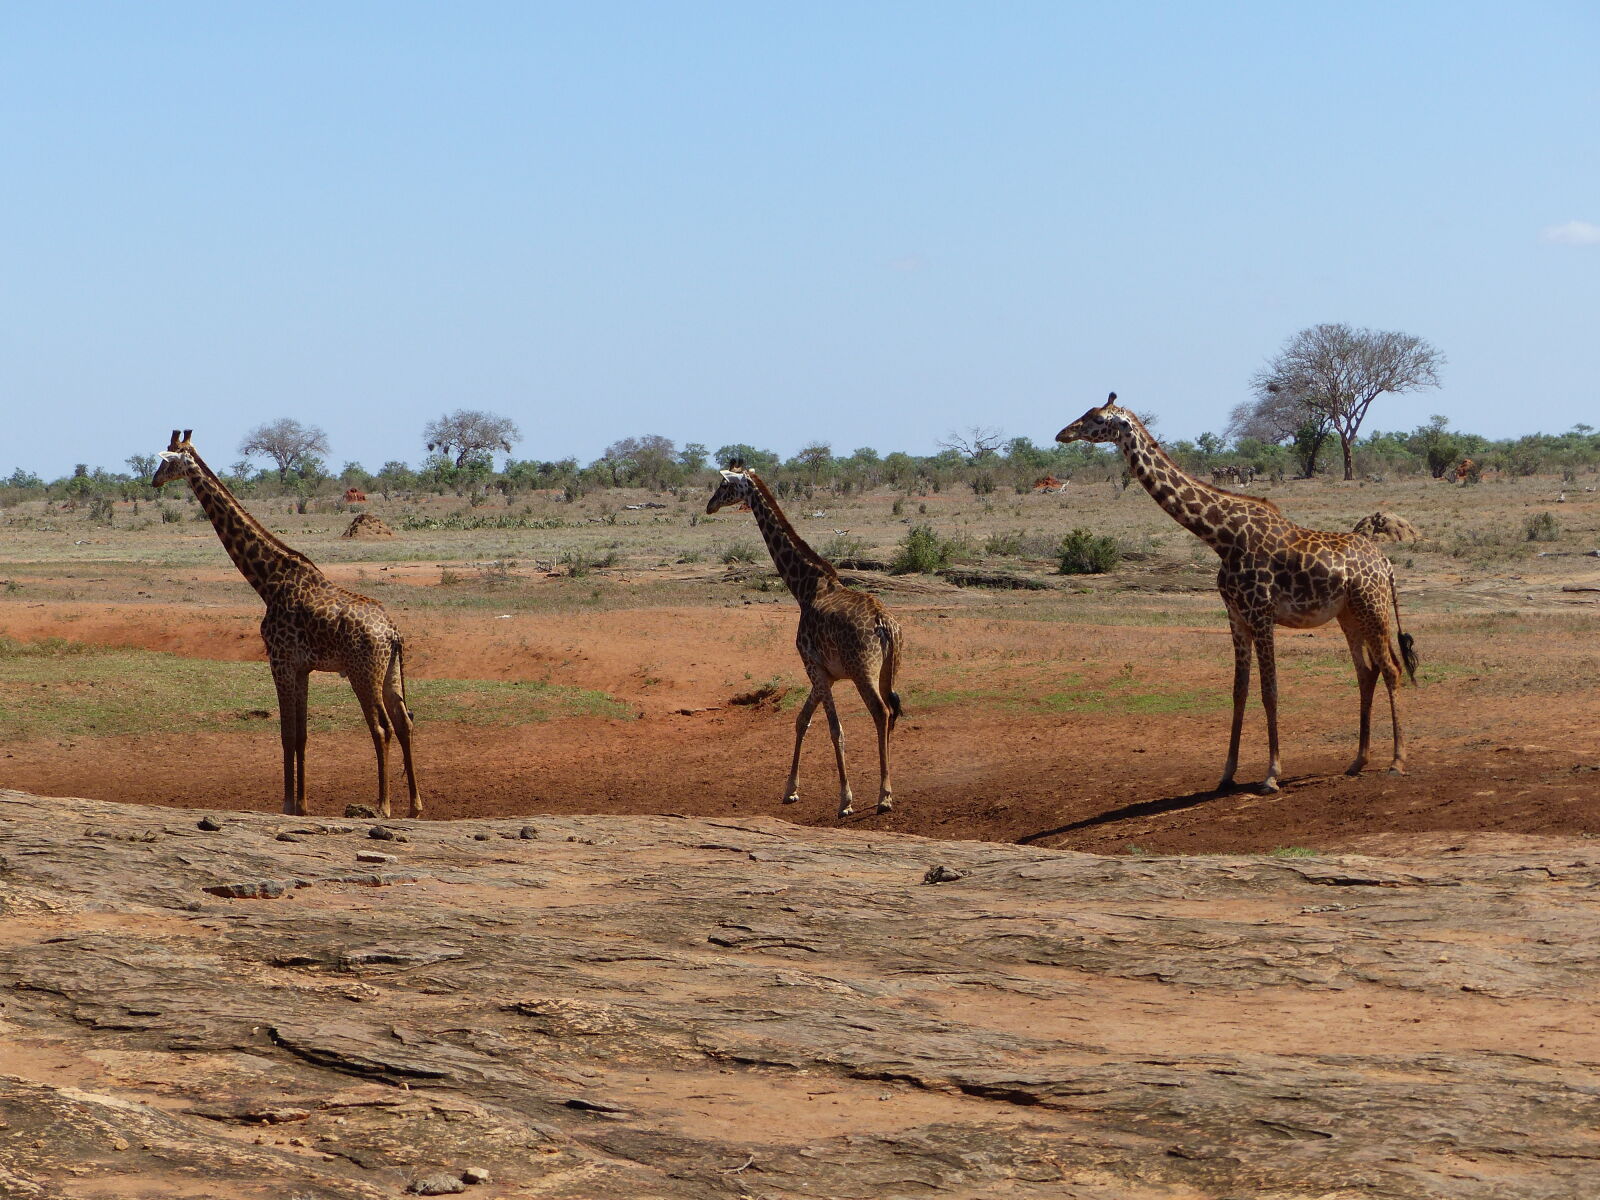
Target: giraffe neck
(267,564)
(805,571)
(1216,517)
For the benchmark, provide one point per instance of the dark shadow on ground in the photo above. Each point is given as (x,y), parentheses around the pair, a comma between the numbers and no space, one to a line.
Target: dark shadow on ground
(1143,808)
(1169,804)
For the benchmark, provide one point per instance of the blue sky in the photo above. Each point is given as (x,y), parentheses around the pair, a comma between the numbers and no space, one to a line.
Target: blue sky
(864,223)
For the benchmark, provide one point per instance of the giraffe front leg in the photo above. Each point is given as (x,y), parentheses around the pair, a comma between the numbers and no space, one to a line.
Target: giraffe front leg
(802,722)
(292,689)
(1265,655)
(1241,695)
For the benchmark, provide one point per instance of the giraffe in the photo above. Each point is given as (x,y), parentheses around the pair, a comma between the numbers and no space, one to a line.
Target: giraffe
(1273,573)
(311,625)
(843,634)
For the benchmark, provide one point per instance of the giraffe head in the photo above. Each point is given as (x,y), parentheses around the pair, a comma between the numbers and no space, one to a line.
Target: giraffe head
(177,460)
(735,487)
(1107,423)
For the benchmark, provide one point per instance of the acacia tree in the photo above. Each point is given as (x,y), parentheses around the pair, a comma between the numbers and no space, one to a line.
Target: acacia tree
(470,434)
(286,442)
(650,460)
(1336,372)
(1278,415)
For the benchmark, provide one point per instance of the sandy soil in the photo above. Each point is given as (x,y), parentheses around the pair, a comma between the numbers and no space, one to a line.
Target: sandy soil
(1483,759)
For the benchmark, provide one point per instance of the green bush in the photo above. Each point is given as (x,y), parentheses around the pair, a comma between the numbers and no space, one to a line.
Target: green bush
(740,552)
(923,552)
(1542,527)
(1084,553)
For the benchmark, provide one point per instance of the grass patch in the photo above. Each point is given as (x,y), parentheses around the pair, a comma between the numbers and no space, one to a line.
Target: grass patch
(1294,852)
(58,689)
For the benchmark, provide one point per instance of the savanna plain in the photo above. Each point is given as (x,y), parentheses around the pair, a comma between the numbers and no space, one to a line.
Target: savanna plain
(600,657)
(1367,987)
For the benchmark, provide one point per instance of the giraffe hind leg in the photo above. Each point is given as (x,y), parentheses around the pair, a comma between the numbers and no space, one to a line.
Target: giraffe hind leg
(400,719)
(1366,681)
(367,691)
(883,720)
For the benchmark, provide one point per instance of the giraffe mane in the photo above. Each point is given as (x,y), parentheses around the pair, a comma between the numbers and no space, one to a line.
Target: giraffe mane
(799,543)
(1161,452)
(245,515)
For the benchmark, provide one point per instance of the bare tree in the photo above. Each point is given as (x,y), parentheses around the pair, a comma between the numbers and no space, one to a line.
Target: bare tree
(471,433)
(286,442)
(974,443)
(1337,372)
(1277,415)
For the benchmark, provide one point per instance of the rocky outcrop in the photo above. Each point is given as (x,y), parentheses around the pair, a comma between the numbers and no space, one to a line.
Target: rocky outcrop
(654,1007)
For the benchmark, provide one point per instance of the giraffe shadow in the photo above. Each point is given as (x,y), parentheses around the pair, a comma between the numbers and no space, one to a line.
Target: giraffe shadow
(1129,812)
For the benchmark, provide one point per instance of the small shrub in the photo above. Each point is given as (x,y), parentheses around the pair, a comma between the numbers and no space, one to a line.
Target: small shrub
(1542,527)
(842,547)
(101,510)
(171,514)
(1005,544)
(1084,553)
(899,506)
(740,552)
(923,552)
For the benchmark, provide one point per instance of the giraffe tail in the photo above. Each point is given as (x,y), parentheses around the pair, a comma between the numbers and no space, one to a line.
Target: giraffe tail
(889,636)
(1408,652)
(399,661)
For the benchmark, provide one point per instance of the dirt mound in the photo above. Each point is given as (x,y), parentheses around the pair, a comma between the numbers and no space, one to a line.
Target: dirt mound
(366,525)
(1387,527)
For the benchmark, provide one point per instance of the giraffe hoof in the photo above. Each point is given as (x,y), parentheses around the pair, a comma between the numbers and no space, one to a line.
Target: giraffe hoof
(1397,770)
(1268,788)
(792,798)
(1355,768)
(885,806)
(847,811)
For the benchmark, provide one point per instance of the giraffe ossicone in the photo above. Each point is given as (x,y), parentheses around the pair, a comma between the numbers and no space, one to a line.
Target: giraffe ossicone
(311,624)
(843,634)
(1273,572)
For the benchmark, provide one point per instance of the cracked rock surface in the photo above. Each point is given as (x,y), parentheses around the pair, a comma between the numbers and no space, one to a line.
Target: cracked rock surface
(638,1007)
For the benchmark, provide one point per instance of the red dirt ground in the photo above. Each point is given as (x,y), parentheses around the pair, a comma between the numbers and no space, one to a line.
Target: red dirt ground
(1502,763)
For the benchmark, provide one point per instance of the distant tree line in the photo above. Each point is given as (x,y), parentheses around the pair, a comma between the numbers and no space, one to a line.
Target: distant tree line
(656,463)
(1309,404)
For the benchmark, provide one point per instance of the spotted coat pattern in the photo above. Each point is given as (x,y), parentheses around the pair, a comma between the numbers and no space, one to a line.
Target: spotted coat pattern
(311,624)
(1273,572)
(843,634)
